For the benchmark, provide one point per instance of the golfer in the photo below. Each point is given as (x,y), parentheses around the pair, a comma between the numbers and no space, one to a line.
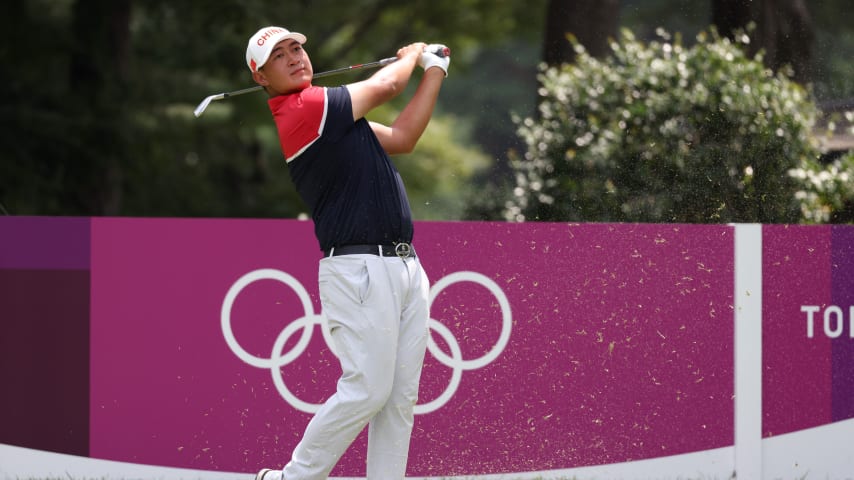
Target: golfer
(373,289)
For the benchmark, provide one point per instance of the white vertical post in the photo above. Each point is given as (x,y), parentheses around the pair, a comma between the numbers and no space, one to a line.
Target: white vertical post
(748,351)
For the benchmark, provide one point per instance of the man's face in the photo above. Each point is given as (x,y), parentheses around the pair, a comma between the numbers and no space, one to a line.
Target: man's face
(288,69)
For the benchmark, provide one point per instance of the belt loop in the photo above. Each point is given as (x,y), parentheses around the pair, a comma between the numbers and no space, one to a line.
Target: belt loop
(380,250)
(332,252)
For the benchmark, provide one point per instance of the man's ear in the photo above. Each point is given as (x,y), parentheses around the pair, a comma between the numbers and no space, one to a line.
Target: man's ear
(260,78)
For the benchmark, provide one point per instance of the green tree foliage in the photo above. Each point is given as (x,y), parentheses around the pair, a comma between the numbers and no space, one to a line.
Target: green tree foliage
(118,137)
(827,192)
(95,113)
(659,132)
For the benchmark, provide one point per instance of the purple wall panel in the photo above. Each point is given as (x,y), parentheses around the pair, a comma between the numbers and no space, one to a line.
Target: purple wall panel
(57,243)
(842,274)
(44,345)
(620,346)
(578,344)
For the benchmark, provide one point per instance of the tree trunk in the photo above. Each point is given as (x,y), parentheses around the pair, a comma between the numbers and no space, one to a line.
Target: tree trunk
(591,22)
(789,36)
(784,31)
(98,73)
(731,15)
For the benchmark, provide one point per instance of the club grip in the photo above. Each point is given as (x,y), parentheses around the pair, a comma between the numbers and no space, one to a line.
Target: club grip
(438,50)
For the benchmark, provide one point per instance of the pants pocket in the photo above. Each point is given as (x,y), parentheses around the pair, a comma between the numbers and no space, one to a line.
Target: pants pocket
(344,280)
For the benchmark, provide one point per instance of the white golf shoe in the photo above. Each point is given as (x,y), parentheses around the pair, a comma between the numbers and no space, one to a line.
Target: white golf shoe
(269,474)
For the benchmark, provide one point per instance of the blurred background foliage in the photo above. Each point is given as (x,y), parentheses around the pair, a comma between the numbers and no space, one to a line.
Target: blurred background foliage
(659,132)
(97,99)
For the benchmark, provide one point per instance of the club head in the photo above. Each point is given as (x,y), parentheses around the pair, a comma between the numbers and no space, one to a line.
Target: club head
(204,105)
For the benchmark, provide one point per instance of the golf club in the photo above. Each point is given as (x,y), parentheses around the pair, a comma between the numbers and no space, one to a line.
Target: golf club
(442,52)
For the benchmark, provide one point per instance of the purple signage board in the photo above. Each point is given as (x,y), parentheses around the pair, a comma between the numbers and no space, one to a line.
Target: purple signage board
(44,243)
(44,344)
(555,345)
(808,327)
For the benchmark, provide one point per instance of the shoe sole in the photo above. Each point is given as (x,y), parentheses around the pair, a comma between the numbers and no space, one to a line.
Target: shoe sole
(260,475)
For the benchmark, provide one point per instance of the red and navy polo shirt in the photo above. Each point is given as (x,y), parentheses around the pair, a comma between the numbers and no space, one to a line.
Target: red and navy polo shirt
(353,190)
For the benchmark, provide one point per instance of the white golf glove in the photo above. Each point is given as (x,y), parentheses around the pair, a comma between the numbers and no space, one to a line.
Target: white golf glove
(435,55)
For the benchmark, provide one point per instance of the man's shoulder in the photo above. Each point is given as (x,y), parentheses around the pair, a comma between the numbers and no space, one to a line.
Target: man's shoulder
(300,119)
(307,96)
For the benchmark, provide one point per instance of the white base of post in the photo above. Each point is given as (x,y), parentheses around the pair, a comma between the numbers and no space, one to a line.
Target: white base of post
(748,351)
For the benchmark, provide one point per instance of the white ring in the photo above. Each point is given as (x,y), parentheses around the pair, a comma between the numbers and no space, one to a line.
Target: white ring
(456,373)
(506,320)
(278,359)
(228,303)
(307,323)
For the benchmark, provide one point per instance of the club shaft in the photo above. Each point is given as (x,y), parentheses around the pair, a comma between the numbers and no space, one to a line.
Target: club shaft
(204,105)
(378,63)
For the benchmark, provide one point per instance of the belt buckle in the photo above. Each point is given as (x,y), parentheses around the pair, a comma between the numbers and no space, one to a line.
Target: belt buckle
(403,250)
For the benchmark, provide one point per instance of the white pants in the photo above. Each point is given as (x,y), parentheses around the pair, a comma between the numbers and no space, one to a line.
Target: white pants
(377,311)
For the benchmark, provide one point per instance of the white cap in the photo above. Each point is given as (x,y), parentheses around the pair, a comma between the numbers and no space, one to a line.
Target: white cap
(262,43)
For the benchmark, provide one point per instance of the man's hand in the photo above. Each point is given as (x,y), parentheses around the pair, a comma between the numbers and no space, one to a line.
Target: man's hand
(413,50)
(435,55)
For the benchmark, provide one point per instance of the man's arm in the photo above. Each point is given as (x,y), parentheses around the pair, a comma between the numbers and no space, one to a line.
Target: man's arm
(387,83)
(404,133)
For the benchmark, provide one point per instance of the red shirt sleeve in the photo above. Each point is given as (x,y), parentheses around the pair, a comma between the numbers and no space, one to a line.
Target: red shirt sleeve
(300,119)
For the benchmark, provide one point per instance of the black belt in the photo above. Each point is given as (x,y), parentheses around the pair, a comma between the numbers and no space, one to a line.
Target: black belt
(402,250)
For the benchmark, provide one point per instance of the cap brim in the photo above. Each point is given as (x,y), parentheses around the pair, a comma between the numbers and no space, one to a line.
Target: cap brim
(275,39)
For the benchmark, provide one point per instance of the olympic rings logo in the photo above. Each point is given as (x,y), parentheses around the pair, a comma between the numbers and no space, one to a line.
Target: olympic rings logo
(278,358)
